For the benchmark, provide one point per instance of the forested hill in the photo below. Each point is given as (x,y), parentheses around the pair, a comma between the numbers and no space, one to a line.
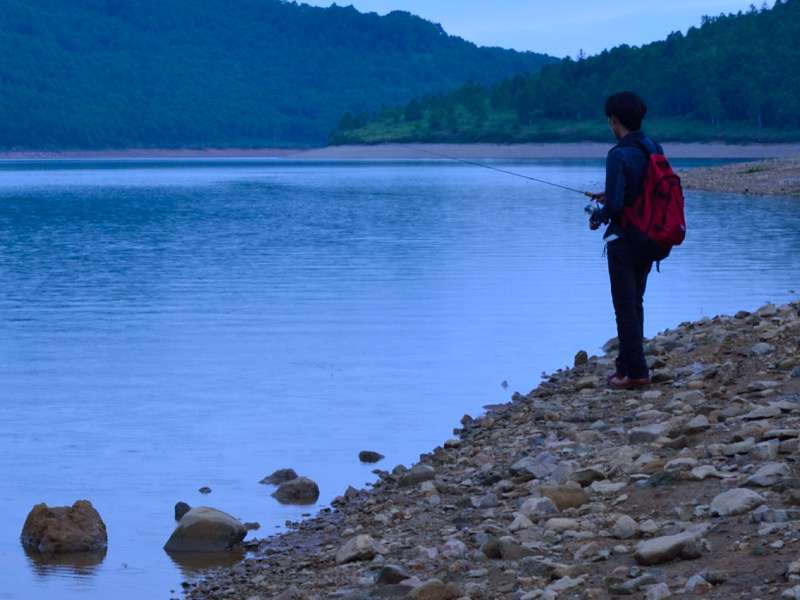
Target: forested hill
(733,78)
(122,73)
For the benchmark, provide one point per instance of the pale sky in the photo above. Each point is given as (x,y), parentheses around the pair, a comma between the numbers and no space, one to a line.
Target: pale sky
(559,28)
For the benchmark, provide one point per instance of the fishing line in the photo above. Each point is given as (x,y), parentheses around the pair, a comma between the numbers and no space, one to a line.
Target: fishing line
(476,164)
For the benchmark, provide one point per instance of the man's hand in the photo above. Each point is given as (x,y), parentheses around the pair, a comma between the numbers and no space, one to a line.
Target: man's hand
(599,196)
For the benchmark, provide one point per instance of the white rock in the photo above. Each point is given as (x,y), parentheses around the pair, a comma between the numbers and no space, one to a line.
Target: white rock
(698,585)
(565,583)
(454,548)
(648,527)
(791,593)
(520,522)
(607,487)
(560,525)
(658,591)
(662,549)
(735,502)
(704,471)
(625,527)
(770,474)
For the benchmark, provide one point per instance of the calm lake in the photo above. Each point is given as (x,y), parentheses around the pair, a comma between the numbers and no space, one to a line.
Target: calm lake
(167,325)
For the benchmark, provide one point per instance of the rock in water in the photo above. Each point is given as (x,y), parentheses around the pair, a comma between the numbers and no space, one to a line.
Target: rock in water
(280,476)
(369,456)
(297,491)
(205,529)
(181,508)
(64,529)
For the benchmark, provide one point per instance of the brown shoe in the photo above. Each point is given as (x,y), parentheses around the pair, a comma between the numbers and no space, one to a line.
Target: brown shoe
(611,375)
(624,383)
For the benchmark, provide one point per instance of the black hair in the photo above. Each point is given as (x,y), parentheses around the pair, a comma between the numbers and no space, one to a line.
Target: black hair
(628,107)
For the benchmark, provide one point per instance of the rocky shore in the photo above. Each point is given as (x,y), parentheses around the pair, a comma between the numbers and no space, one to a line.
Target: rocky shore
(688,488)
(776,177)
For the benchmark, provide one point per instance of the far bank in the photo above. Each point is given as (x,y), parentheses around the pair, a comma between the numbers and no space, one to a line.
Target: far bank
(418,151)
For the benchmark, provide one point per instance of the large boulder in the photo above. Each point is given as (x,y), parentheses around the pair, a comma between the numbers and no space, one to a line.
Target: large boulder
(300,490)
(205,529)
(64,529)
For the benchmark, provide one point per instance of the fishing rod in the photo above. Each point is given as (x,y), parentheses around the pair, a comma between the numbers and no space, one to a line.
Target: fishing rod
(477,164)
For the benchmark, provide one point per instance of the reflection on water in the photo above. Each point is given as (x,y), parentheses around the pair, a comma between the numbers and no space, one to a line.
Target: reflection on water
(170,326)
(73,564)
(192,563)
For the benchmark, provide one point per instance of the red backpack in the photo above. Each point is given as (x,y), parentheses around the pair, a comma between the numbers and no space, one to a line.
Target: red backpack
(657,214)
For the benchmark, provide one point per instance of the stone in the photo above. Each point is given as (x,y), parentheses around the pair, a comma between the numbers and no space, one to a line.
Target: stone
(659,591)
(454,548)
(698,585)
(300,490)
(433,589)
(560,525)
(791,593)
(416,475)
(763,412)
(761,349)
(509,548)
(391,575)
(358,549)
(368,456)
(280,476)
(64,529)
(631,586)
(540,466)
(565,496)
(491,547)
(744,447)
(608,487)
(770,474)
(662,549)
(647,434)
(293,593)
(181,508)
(566,583)
(698,424)
(520,522)
(536,508)
(735,502)
(589,475)
(205,529)
(624,527)
(537,567)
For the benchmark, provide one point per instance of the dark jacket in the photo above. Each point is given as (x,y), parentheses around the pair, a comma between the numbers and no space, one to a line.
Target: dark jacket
(625,171)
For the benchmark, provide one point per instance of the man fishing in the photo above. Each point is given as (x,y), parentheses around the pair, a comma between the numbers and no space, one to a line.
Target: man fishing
(628,268)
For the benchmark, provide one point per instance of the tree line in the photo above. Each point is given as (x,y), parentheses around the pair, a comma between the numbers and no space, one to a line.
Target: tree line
(734,75)
(172,73)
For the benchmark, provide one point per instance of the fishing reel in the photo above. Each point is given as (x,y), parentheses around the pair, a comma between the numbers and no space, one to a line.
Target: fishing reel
(593,207)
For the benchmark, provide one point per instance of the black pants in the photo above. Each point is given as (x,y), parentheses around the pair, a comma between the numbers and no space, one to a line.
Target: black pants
(628,271)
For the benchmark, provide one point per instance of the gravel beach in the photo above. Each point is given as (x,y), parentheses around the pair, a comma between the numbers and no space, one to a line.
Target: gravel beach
(689,488)
(776,177)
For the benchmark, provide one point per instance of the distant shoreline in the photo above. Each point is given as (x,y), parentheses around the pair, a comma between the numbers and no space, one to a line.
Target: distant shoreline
(413,151)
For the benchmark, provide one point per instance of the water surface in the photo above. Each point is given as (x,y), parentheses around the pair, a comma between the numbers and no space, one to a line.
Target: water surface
(168,325)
